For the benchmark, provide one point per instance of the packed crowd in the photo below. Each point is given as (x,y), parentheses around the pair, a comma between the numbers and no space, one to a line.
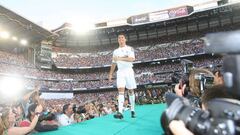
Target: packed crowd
(31,113)
(14,59)
(51,80)
(146,53)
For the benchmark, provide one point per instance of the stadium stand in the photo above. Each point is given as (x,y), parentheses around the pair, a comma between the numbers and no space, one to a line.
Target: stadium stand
(83,72)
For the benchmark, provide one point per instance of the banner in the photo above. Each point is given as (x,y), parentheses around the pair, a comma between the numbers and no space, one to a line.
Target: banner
(102,24)
(177,12)
(46,95)
(117,22)
(158,16)
(143,18)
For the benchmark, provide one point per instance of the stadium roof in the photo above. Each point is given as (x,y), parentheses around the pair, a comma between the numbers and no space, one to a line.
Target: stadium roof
(21,27)
(195,21)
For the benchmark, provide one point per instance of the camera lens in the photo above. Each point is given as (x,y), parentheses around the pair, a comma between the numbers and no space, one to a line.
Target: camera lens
(195,119)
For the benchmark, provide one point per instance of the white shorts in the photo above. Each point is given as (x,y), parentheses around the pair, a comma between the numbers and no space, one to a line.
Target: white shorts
(125,78)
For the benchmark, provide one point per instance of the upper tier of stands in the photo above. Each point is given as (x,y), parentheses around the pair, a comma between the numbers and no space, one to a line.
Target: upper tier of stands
(144,53)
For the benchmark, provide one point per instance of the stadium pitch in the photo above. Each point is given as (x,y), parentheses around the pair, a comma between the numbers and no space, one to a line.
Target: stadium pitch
(146,123)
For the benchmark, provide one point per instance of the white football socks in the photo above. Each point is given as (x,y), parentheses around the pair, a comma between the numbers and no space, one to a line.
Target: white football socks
(120,102)
(132,101)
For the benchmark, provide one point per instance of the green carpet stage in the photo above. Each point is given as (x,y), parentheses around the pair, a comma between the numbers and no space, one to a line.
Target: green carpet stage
(146,123)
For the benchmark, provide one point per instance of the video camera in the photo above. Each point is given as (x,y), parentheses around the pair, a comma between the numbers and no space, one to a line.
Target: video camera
(215,121)
(223,115)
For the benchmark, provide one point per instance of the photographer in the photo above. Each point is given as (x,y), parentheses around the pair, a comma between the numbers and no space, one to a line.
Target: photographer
(46,122)
(91,111)
(102,110)
(66,118)
(221,102)
(195,89)
(8,122)
(218,91)
(28,99)
(79,113)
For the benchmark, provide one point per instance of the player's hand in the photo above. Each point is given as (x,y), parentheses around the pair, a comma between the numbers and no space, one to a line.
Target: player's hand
(179,91)
(116,58)
(110,78)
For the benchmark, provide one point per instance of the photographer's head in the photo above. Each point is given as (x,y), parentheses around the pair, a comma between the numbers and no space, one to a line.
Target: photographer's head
(218,91)
(196,78)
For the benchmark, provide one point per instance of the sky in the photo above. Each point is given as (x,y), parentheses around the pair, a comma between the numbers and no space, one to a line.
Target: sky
(53,13)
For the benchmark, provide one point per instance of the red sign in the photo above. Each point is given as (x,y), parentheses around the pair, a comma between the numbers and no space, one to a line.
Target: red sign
(177,12)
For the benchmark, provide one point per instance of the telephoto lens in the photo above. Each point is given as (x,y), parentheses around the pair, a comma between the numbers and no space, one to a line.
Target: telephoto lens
(196,120)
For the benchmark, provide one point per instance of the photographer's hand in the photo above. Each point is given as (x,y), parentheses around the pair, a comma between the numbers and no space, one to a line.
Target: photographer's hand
(39,109)
(179,91)
(178,128)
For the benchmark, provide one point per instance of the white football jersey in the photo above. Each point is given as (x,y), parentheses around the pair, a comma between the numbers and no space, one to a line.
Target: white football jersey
(125,51)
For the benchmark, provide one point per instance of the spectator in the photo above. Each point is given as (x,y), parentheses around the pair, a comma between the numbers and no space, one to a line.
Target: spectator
(8,119)
(66,118)
(46,122)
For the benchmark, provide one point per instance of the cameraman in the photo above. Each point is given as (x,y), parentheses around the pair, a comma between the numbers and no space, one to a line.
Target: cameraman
(31,97)
(66,118)
(218,91)
(194,91)
(46,122)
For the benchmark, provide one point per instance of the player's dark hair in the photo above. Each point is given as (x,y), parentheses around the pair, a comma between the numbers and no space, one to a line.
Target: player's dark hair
(122,34)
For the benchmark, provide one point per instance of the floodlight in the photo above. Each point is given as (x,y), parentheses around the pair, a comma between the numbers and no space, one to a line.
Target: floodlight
(23,42)
(14,38)
(82,25)
(11,87)
(4,34)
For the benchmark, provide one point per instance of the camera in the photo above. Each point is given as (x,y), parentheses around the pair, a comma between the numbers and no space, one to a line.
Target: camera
(223,115)
(79,110)
(47,116)
(215,121)
(205,81)
(183,78)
